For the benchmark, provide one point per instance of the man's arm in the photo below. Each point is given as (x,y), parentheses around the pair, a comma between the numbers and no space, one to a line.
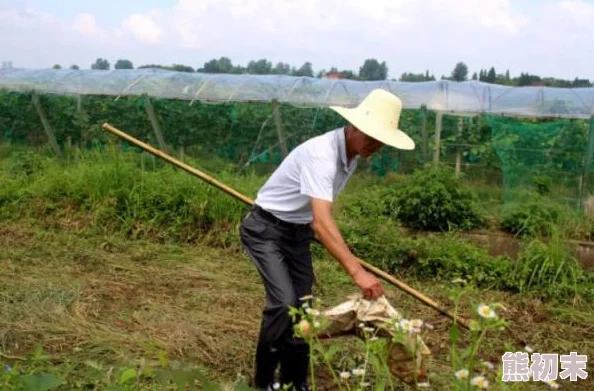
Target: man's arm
(328,233)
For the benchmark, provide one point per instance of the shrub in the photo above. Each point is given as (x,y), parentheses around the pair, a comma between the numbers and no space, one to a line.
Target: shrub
(532,214)
(435,200)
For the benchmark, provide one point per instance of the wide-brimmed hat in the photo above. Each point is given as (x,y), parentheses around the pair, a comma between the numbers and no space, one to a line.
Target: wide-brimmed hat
(378,116)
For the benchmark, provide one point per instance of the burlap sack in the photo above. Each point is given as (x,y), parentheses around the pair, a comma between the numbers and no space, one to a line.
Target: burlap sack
(346,319)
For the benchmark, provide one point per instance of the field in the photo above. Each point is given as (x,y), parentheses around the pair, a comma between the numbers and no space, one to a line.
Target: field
(121,271)
(124,273)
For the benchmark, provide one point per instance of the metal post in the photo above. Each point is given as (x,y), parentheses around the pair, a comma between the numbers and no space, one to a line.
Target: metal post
(425,133)
(436,150)
(458,147)
(280,130)
(46,125)
(589,151)
(150,111)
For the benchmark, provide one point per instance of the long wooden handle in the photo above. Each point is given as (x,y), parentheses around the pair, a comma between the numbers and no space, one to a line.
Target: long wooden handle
(179,164)
(380,273)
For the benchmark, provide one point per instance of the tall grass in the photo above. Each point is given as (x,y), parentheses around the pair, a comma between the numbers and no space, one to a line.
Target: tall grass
(114,190)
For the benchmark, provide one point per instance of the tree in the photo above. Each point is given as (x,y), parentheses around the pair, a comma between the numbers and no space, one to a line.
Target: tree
(222,65)
(57,66)
(123,64)
(174,67)
(491,76)
(305,70)
(527,79)
(460,72)
(100,63)
(74,66)
(474,76)
(282,69)
(416,77)
(260,67)
(373,70)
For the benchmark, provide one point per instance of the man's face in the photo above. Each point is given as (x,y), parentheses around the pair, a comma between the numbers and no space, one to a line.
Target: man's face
(365,145)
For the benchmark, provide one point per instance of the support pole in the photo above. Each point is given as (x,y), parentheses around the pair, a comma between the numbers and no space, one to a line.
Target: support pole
(280,129)
(458,147)
(425,134)
(438,122)
(150,111)
(46,125)
(585,186)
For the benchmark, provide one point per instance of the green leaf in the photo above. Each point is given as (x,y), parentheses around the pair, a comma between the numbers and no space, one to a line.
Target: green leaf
(380,385)
(41,382)
(332,350)
(128,374)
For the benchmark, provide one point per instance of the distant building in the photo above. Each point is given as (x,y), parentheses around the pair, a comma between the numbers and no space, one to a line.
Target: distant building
(333,75)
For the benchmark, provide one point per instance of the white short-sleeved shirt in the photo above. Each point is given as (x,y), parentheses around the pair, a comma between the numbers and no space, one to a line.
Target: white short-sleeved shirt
(317,168)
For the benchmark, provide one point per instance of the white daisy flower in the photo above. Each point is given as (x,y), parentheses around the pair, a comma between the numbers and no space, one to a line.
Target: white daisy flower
(462,374)
(486,312)
(528,349)
(406,325)
(480,382)
(416,323)
(359,372)
(345,375)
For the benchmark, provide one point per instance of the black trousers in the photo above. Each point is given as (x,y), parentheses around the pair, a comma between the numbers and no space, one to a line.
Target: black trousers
(281,253)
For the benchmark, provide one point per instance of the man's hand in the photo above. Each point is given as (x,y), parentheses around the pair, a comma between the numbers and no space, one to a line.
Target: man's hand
(327,231)
(371,287)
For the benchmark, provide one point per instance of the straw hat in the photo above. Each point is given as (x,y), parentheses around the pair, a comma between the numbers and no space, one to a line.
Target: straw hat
(378,116)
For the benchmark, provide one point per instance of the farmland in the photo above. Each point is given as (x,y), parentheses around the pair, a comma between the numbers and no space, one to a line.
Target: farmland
(119,268)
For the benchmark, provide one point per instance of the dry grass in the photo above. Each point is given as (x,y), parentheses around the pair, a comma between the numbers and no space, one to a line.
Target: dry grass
(106,300)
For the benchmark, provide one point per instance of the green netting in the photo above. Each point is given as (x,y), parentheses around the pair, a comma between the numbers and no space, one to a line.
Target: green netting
(498,155)
(540,155)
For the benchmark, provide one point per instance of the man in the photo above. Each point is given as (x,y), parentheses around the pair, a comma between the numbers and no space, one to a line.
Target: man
(294,205)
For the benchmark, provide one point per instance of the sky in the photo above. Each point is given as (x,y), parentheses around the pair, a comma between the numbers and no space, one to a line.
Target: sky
(550,38)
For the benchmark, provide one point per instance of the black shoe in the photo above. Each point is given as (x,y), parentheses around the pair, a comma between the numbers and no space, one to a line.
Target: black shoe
(294,366)
(267,359)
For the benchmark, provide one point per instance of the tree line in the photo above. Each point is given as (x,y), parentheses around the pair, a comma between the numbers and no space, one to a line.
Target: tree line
(371,69)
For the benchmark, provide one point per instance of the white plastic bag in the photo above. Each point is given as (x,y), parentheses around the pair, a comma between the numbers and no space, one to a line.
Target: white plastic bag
(404,358)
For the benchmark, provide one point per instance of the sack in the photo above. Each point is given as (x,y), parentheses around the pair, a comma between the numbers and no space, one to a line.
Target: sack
(350,318)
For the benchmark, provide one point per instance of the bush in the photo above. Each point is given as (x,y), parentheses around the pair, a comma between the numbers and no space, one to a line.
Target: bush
(434,200)
(531,215)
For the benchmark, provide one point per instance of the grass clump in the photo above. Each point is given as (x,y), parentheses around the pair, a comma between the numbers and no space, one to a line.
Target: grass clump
(531,214)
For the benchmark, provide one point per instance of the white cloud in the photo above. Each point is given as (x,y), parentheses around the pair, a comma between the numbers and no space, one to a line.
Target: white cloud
(143,28)
(85,24)
(582,13)
(410,35)
(25,18)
